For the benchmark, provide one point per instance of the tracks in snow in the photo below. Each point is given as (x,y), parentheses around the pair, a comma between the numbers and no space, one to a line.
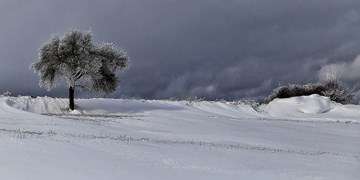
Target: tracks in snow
(131,140)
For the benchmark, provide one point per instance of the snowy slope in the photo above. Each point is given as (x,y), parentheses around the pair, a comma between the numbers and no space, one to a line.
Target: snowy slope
(297,138)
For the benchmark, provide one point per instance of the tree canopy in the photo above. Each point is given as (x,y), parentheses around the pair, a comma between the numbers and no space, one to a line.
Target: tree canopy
(80,62)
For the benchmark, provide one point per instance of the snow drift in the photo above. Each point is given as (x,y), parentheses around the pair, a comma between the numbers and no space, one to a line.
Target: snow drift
(314,107)
(313,104)
(99,106)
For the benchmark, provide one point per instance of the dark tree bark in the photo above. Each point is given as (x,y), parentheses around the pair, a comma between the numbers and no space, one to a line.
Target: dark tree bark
(71,98)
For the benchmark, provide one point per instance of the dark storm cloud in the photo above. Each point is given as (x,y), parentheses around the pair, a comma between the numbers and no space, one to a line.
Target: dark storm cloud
(207,48)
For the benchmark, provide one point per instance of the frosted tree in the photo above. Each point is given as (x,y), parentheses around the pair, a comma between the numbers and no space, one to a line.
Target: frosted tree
(331,73)
(81,63)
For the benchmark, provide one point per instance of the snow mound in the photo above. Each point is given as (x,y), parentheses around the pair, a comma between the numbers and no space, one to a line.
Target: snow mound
(39,105)
(311,108)
(313,104)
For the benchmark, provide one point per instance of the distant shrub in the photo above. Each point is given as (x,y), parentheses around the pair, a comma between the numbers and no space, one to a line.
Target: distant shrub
(332,89)
(7,93)
(254,104)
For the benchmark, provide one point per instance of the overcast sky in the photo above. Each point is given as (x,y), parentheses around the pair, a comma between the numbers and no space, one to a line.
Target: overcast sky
(218,49)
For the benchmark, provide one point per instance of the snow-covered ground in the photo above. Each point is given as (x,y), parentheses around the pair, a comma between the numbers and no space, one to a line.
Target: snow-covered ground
(297,138)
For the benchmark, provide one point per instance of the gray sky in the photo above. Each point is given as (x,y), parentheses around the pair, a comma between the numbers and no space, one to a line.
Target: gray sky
(218,49)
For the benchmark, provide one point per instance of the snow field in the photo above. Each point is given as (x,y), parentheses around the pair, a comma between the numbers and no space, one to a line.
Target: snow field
(297,138)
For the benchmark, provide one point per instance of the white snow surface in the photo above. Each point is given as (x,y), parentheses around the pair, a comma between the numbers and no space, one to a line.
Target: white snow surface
(306,137)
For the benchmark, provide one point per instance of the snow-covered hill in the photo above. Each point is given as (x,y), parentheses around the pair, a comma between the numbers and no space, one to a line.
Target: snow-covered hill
(296,138)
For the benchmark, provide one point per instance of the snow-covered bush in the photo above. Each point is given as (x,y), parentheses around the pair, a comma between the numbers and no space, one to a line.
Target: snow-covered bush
(7,93)
(332,89)
(193,99)
(336,92)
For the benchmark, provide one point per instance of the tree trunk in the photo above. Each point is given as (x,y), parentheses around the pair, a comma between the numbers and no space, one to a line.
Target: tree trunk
(71,98)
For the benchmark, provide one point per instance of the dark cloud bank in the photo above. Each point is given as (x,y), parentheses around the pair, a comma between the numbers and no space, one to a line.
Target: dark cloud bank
(207,48)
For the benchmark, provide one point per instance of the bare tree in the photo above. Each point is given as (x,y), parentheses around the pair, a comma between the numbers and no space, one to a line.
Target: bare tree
(76,59)
(331,73)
